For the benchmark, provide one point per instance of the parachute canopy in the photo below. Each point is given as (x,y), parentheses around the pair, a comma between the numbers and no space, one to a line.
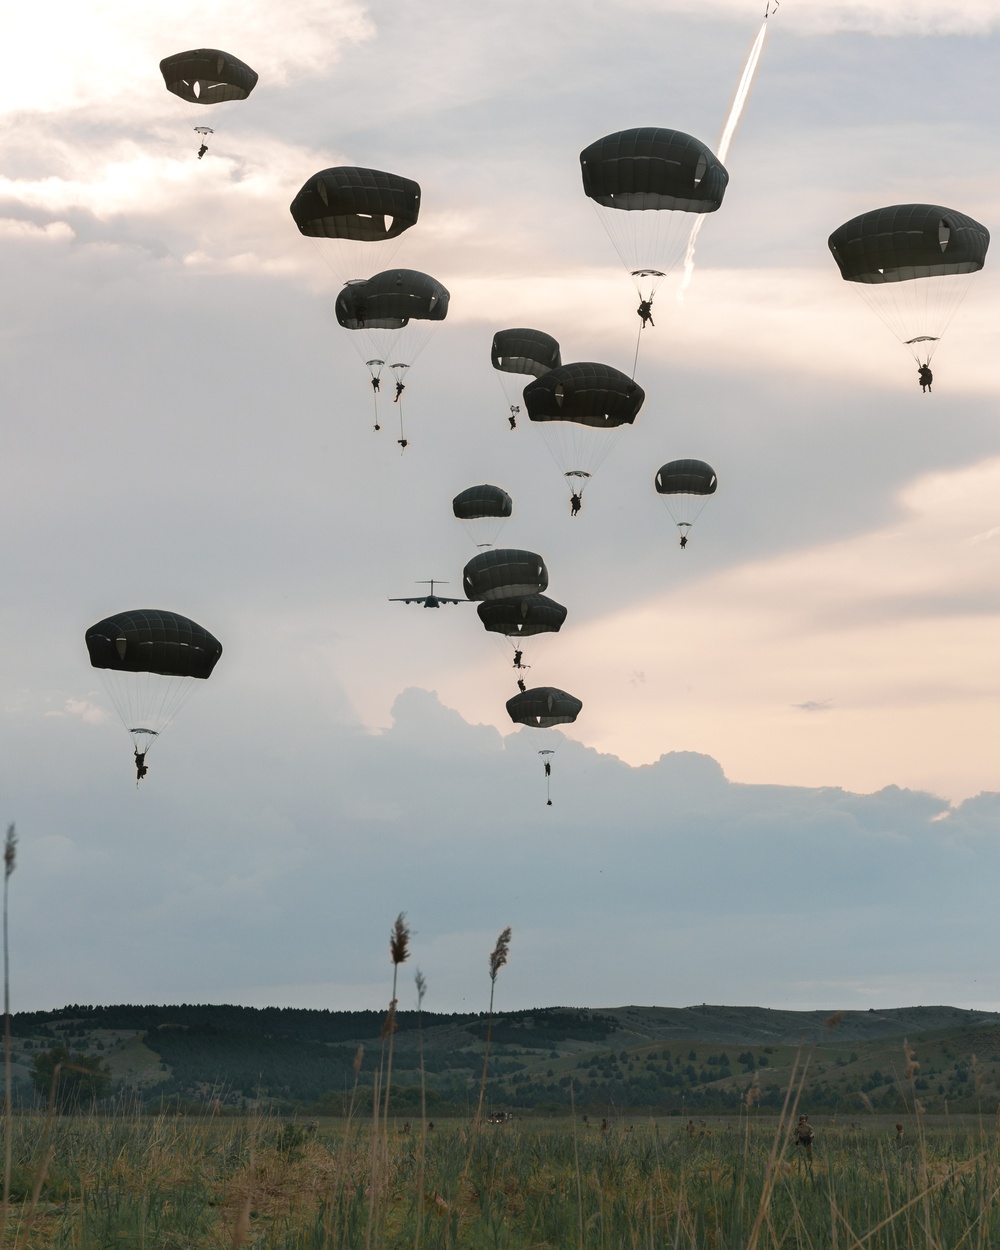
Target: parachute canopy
(686,477)
(912,264)
(347,202)
(482,501)
(907,241)
(504,573)
(207,76)
(390,300)
(651,167)
(586,394)
(543,706)
(524,351)
(152,641)
(522,616)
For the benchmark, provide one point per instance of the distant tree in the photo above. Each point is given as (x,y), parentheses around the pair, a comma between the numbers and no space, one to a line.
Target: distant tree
(81,1078)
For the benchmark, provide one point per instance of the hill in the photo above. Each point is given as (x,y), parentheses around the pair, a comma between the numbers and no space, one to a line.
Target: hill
(668,1060)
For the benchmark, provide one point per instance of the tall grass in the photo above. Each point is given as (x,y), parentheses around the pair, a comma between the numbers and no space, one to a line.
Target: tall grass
(157,1182)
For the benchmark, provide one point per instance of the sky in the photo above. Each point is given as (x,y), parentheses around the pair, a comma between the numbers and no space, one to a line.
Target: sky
(782,787)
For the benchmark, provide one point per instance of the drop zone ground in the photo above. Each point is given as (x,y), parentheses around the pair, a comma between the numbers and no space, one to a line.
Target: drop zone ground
(158,1181)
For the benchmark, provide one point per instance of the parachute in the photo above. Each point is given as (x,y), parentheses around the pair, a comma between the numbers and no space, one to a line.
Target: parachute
(912,263)
(519,617)
(206,76)
(644,183)
(684,486)
(391,316)
(484,510)
(522,351)
(504,572)
(579,408)
(149,662)
(361,211)
(542,707)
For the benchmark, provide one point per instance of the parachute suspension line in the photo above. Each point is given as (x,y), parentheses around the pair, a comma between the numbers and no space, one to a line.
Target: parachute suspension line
(917,312)
(747,76)
(638,340)
(146,703)
(577,451)
(643,240)
(402,440)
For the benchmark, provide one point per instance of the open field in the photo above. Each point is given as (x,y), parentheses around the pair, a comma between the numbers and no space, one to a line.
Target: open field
(157,1182)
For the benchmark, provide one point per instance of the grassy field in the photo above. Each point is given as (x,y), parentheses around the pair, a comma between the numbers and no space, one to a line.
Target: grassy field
(161,1182)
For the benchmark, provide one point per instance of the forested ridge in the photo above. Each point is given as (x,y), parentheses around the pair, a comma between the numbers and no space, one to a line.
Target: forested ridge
(197,1057)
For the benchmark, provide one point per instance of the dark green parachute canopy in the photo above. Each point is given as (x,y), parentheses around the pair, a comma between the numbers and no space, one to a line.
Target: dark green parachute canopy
(587,394)
(391,299)
(525,351)
(482,501)
(503,573)
(906,241)
(151,641)
(522,616)
(686,477)
(207,76)
(649,167)
(543,706)
(347,202)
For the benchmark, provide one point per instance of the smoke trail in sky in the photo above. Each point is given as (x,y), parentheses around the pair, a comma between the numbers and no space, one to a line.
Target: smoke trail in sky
(747,77)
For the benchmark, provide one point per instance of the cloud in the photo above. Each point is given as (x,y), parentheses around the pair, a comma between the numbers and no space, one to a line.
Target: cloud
(900,622)
(106,57)
(293,889)
(89,713)
(890,18)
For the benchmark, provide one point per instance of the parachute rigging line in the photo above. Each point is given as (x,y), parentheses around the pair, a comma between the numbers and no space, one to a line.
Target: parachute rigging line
(747,76)
(638,340)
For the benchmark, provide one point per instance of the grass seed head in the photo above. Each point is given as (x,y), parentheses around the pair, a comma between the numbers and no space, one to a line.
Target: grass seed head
(399,940)
(9,850)
(498,956)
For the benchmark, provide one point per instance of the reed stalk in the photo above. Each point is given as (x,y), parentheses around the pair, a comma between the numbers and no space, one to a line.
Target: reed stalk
(9,858)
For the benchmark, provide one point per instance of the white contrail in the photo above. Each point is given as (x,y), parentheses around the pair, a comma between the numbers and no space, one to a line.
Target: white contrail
(728,130)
